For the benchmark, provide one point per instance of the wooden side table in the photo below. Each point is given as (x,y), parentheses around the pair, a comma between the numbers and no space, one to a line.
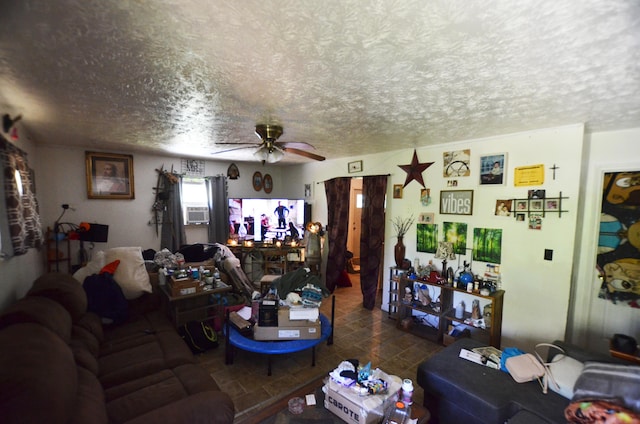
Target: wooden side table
(191,307)
(420,413)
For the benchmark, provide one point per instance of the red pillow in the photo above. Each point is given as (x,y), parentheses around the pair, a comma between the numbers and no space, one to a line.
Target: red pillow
(110,268)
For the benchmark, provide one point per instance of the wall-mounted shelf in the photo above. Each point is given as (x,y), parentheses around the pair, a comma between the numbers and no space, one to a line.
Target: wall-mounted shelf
(541,206)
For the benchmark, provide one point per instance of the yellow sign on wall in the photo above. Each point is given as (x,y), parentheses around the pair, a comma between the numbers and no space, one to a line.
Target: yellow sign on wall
(528,175)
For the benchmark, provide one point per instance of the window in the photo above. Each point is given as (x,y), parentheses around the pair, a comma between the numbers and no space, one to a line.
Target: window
(194,201)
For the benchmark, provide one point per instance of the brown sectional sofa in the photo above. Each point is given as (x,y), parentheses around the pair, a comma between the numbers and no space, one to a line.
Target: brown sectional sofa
(59,364)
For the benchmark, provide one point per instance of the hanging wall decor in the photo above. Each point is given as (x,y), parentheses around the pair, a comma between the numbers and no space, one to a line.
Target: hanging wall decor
(618,257)
(267,183)
(257,181)
(456,163)
(233,172)
(109,176)
(415,169)
(193,167)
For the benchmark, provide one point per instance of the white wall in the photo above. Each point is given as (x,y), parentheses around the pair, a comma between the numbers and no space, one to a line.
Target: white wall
(593,320)
(62,179)
(537,291)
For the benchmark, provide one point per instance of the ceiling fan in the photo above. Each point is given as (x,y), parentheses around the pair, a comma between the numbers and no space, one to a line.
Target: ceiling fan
(270,150)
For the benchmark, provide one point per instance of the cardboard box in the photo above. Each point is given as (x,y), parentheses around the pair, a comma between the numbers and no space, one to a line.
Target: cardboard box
(284,317)
(349,406)
(184,286)
(306,331)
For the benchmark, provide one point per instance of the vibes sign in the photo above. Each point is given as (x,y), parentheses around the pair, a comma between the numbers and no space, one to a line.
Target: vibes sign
(456,202)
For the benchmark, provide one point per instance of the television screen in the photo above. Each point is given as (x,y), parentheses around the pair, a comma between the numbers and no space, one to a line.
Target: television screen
(264,219)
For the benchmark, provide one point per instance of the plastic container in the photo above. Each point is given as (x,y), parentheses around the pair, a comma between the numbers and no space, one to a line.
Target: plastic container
(407,391)
(398,414)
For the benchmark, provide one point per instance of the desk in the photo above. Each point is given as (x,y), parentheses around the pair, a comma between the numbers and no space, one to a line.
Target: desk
(191,307)
(234,339)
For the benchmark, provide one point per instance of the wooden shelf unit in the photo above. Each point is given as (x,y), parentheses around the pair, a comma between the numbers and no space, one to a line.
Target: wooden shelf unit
(442,307)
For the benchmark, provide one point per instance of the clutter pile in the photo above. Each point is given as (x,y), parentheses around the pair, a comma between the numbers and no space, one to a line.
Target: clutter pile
(358,394)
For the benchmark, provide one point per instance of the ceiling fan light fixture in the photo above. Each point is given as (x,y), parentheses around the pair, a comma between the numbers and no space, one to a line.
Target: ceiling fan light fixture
(275,155)
(261,153)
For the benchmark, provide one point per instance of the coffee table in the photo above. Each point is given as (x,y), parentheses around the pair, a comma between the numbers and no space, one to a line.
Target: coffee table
(278,412)
(235,339)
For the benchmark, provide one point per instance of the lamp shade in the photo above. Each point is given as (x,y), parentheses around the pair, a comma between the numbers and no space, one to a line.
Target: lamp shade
(270,155)
(445,251)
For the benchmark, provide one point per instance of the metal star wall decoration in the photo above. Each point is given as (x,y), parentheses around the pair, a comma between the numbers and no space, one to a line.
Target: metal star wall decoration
(415,169)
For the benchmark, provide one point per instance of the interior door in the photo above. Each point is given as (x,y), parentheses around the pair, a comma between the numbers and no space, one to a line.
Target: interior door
(355,217)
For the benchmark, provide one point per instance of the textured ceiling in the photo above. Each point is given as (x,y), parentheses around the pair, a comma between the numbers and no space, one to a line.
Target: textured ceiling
(348,76)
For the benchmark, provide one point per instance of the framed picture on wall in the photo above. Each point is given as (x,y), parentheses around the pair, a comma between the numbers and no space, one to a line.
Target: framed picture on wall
(492,169)
(397,191)
(456,202)
(109,176)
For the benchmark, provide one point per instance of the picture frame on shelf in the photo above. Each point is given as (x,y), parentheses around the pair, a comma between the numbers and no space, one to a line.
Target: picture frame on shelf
(355,166)
(109,176)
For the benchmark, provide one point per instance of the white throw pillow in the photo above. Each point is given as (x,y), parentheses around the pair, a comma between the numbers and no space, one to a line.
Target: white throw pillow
(131,275)
(92,267)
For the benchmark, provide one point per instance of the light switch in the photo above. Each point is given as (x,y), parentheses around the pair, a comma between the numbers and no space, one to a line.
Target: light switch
(548,254)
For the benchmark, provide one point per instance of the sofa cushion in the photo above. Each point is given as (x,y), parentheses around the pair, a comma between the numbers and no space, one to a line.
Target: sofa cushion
(141,396)
(93,324)
(39,310)
(64,289)
(83,357)
(38,377)
(212,407)
(82,335)
(90,405)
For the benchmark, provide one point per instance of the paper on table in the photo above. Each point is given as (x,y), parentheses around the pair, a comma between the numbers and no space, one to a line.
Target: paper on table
(245,313)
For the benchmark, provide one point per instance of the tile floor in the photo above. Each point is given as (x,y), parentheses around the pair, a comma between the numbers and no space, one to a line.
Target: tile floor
(359,333)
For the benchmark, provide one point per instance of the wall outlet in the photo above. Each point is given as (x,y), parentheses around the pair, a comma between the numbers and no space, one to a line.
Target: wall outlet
(548,254)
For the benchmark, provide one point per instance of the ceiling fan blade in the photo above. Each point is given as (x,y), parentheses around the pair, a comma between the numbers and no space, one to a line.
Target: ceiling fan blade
(296,145)
(236,148)
(303,153)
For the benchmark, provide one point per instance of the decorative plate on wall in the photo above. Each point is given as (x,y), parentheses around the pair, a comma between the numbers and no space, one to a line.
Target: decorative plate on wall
(257,181)
(267,182)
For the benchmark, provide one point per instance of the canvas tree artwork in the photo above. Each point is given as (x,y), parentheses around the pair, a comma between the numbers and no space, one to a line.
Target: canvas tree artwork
(487,245)
(456,233)
(427,238)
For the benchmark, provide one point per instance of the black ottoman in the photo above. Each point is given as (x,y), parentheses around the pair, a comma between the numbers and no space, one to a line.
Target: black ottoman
(460,391)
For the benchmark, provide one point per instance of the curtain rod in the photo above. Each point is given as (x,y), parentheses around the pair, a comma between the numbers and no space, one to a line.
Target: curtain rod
(360,176)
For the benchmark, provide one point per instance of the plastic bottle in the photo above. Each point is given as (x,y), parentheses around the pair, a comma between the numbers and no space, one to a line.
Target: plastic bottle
(407,391)
(399,414)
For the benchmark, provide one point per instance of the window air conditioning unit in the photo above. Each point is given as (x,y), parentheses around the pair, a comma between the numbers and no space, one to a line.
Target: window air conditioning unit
(197,215)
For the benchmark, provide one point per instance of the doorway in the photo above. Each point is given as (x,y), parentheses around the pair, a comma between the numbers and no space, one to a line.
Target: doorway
(355,219)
